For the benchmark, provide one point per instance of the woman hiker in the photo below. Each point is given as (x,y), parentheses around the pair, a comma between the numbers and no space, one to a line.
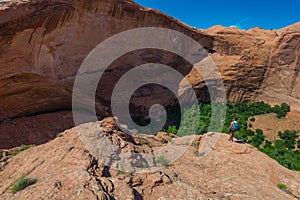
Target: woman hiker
(234,126)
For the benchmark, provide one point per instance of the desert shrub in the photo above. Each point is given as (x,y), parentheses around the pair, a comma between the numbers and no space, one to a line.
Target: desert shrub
(189,121)
(201,123)
(289,138)
(259,108)
(285,107)
(250,132)
(284,188)
(204,122)
(268,144)
(282,110)
(172,129)
(22,183)
(22,148)
(280,113)
(242,135)
(162,161)
(281,186)
(258,138)
(121,172)
(278,151)
(291,160)
(259,131)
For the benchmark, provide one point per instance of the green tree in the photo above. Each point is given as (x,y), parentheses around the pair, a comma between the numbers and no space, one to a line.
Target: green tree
(289,138)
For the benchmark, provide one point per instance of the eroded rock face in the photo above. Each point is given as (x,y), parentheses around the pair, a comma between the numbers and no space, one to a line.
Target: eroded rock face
(64,168)
(44,42)
(257,64)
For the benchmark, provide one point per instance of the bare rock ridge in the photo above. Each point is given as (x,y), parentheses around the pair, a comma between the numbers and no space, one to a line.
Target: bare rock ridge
(65,169)
(43,43)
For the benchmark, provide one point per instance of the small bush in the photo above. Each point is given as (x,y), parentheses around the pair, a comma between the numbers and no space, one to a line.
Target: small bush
(121,172)
(22,148)
(162,161)
(281,110)
(259,131)
(22,183)
(252,119)
(172,129)
(289,138)
(285,107)
(250,132)
(298,144)
(144,164)
(14,153)
(281,186)
(250,125)
(258,138)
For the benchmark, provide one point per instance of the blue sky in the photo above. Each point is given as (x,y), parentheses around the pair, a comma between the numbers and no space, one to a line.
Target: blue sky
(243,14)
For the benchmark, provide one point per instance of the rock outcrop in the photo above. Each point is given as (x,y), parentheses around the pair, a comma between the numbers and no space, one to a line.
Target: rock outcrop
(44,42)
(258,64)
(65,169)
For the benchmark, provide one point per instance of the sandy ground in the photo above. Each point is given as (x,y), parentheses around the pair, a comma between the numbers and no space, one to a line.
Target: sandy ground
(270,124)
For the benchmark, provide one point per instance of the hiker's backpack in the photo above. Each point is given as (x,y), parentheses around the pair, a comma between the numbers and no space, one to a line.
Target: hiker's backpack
(236,126)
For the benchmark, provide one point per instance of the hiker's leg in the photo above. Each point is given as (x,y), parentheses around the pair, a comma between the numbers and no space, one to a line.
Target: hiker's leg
(231,136)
